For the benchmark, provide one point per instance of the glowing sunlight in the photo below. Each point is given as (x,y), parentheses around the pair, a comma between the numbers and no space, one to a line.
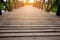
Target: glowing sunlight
(24,0)
(31,1)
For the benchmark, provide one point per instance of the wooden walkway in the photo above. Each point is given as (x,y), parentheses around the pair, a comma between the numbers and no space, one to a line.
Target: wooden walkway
(29,23)
(29,16)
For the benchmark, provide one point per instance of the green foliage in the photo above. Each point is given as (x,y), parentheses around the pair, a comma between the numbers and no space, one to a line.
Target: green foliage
(1,6)
(54,9)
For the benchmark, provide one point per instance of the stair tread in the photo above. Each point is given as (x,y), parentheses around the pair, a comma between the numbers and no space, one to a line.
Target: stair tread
(32,25)
(29,27)
(29,30)
(29,34)
(50,30)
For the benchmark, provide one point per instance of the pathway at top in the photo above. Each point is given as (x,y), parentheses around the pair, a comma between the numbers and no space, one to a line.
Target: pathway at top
(29,15)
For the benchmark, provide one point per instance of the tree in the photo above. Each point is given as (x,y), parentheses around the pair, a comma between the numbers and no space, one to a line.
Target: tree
(2,2)
(48,5)
(9,4)
(54,9)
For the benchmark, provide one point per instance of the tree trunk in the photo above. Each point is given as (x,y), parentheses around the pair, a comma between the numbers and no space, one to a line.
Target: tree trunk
(9,6)
(48,5)
(44,5)
(15,4)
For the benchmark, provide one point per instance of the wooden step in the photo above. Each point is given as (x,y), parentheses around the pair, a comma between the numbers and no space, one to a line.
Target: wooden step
(29,27)
(28,34)
(29,30)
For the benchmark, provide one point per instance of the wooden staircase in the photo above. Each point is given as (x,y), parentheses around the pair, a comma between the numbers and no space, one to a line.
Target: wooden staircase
(29,30)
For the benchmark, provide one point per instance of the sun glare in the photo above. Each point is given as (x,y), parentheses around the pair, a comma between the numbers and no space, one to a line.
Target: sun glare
(24,0)
(31,1)
(19,0)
